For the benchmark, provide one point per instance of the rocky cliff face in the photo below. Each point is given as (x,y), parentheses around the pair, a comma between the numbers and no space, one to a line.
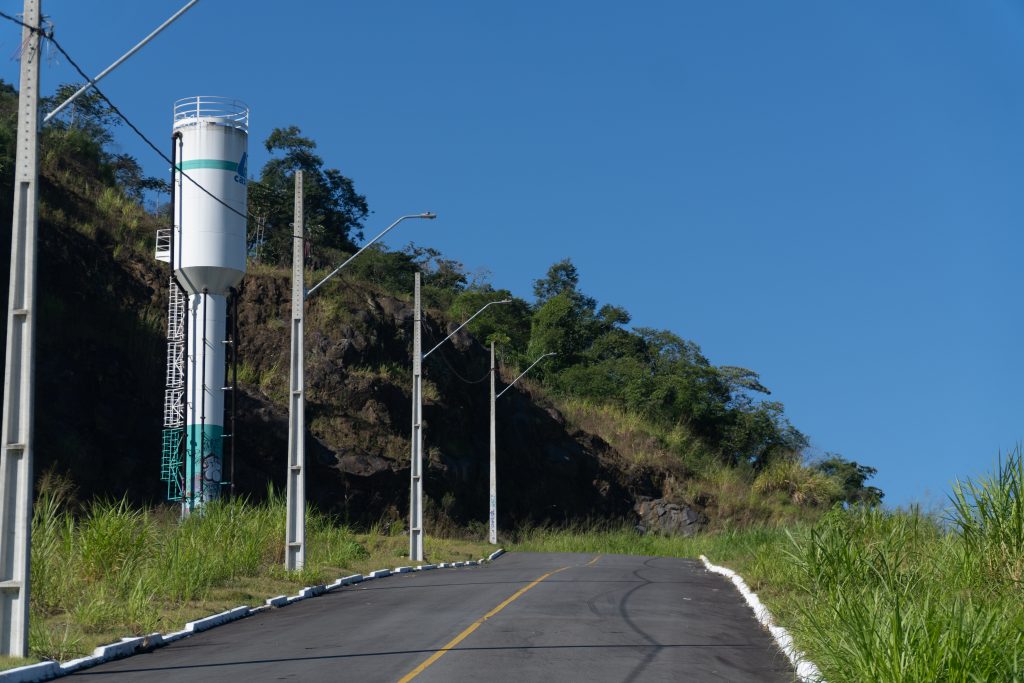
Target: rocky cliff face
(358,373)
(100,369)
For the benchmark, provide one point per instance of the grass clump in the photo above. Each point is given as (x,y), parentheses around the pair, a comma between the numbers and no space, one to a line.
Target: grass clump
(989,515)
(802,485)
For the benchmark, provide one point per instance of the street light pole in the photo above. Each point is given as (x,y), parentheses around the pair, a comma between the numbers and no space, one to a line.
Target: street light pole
(416,463)
(493,513)
(295,527)
(19,380)
(295,524)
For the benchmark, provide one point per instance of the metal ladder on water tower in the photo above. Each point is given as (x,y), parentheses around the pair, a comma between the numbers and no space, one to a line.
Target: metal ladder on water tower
(174,394)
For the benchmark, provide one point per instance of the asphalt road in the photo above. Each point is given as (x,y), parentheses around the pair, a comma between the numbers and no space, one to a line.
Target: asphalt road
(588,618)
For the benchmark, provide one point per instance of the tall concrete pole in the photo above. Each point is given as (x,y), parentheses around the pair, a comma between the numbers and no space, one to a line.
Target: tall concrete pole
(295,534)
(19,382)
(494,452)
(416,460)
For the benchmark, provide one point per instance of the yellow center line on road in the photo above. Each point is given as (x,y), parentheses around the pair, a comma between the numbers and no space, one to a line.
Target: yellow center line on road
(588,564)
(472,627)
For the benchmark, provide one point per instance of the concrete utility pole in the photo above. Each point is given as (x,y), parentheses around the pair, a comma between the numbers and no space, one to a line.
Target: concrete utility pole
(295,535)
(416,462)
(19,382)
(416,466)
(494,469)
(493,516)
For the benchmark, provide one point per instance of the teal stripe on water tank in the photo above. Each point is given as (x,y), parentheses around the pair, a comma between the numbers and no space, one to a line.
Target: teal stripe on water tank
(209,163)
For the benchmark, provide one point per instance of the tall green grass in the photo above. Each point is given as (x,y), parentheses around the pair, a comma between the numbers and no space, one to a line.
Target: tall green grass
(989,515)
(110,566)
(897,596)
(902,596)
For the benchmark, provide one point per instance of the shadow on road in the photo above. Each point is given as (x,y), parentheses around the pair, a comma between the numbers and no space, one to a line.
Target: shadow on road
(185,667)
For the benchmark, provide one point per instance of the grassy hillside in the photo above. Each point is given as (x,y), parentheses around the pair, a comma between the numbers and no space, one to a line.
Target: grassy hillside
(621,416)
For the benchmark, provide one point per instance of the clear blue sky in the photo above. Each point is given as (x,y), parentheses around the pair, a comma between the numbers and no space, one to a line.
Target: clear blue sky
(826,192)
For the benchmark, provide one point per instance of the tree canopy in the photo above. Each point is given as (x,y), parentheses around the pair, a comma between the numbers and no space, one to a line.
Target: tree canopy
(334,211)
(852,477)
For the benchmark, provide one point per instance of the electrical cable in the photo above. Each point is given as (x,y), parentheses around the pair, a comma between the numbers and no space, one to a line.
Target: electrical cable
(138,132)
(456,372)
(19,22)
(113,107)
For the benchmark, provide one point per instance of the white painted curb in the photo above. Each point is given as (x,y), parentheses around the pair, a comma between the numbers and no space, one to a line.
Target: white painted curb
(806,670)
(313,591)
(349,580)
(496,554)
(207,623)
(43,671)
(82,663)
(176,635)
(126,647)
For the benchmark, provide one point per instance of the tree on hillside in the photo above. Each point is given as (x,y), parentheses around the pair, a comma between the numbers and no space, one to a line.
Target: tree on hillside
(334,211)
(438,272)
(655,373)
(561,325)
(561,278)
(852,476)
(78,139)
(508,324)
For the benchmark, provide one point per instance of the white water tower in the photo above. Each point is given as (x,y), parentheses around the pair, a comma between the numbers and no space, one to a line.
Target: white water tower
(207,252)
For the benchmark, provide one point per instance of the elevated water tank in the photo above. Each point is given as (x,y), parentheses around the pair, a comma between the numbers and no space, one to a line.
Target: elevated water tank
(209,244)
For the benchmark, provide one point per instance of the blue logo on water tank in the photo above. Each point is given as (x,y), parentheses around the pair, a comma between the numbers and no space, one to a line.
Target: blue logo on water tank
(241,176)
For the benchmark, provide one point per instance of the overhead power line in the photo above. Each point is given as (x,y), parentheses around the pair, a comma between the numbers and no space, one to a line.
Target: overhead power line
(138,132)
(456,372)
(19,22)
(49,36)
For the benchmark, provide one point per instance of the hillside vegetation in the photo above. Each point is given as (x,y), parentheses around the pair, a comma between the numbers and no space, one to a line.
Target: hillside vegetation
(620,414)
(620,417)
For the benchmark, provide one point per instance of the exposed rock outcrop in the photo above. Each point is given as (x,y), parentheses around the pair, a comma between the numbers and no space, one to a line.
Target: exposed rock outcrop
(663,517)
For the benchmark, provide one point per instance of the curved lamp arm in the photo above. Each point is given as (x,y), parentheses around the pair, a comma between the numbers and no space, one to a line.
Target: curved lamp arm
(524,372)
(503,301)
(425,214)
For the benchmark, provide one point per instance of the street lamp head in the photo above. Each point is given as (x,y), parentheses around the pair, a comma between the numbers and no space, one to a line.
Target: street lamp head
(505,301)
(428,214)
